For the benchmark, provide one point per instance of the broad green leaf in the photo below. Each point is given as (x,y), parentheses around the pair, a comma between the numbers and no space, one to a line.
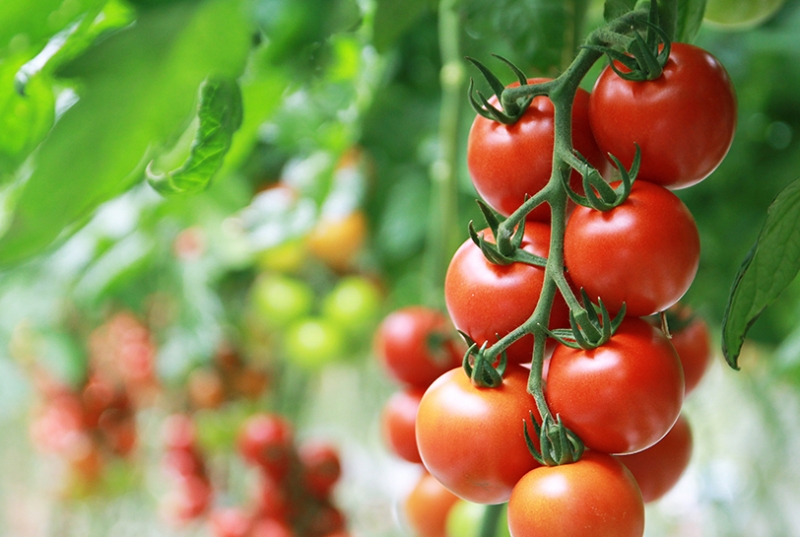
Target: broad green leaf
(613,9)
(25,119)
(542,33)
(688,20)
(219,115)
(393,17)
(137,89)
(769,267)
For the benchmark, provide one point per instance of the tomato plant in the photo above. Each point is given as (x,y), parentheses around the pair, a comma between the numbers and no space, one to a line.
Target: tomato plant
(471,438)
(621,397)
(415,345)
(594,497)
(487,301)
(353,304)
(629,255)
(313,342)
(266,441)
(658,468)
(683,121)
(509,162)
(280,300)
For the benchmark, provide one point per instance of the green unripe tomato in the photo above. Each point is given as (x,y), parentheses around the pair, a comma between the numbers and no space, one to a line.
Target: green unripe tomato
(280,300)
(465,519)
(740,14)
(311,343)
(353,304)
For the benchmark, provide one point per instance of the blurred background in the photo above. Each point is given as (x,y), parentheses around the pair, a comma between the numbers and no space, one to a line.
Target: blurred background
(340,199)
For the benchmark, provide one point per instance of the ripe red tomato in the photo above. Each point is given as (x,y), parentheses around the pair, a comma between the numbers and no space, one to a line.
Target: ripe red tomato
(230,522)
(693,345)
(471,438)
(266,441)
(321,467)
(427,507)
(594,497)
(508,162)
(658,468)
(645,252)
(487,301)
(683,121)
(415,345)
(398,422)
(621,397)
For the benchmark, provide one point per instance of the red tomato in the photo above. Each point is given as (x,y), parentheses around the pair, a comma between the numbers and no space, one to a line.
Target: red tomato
(487,301)
(266,441)
(658,468)
(416,344)
(427,507)
(621,397)
(230,522)
(683,121)
(508,162)
(398,421)
(693,345)
(471,438)
(594,497)
(645,252)
(321,467)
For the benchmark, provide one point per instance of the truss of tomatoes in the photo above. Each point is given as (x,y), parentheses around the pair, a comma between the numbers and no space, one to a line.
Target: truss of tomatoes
(623,398)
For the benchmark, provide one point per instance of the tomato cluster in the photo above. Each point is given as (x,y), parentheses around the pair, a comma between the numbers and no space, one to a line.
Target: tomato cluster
(293,493)
(619,397)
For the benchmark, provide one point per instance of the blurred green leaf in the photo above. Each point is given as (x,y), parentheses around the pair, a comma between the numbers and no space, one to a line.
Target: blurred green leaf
(25,119)
(393,17)
(543,33)
(771,265)
(688,19)
(138,87)
(219,115)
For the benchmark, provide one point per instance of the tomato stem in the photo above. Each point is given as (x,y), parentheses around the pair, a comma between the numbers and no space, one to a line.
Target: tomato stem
(490,520)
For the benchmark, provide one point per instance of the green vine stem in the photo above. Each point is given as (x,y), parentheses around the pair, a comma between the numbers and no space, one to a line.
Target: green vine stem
(443,233)
(561,92)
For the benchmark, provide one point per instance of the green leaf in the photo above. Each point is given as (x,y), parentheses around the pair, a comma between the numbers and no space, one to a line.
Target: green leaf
(394,17)
(220,115)
(137,89)
(613,9)
(541,33)
(689,18)
(25,24)
(769,267)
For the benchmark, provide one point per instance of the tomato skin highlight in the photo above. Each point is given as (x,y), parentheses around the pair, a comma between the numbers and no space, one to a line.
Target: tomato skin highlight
(621,397)
(684,121)
(594,497)
(644,253)
(471,438)
(658,468)
(508,162)
(487,301)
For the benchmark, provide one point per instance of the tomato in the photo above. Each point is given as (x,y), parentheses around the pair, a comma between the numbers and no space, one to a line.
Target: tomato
(312,343)
(465,519)
(740,14)
(644,253)
(398,420)
(266,441)
(230,522)
(683,121)
(471,438)
(280,300)
(693,345)
(353,304)
(336,241)
(269,527)
(427,507)
(415,345)
(594,497)
(321,467)
(658,468)
(621,397)
(508,162)
(487,301)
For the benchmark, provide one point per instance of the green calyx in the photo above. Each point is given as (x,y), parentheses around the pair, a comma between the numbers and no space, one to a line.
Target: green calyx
(481,370)
(557,444)
(590,327)
(598,194)
(506,248)
(508,113)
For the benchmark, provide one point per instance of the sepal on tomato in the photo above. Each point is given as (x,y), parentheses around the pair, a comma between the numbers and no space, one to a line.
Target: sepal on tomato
(599,195)
(507,248)
(482,371)
(588,330)
(558,445)
(509,112)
